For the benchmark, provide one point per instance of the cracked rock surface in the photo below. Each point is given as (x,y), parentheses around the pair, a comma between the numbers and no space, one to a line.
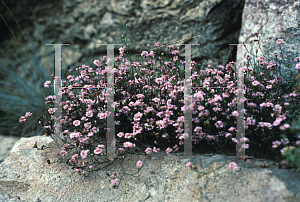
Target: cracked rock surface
(25,174)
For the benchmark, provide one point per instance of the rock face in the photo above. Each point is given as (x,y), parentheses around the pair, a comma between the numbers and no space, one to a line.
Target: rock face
(87,23)
(277,20)
(25,176)
(84,24)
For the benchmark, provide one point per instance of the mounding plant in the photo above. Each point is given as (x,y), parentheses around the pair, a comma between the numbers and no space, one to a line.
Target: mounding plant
(140,126)
(150,114)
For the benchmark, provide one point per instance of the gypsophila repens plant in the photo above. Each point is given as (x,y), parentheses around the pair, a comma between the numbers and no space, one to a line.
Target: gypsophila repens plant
(151,108)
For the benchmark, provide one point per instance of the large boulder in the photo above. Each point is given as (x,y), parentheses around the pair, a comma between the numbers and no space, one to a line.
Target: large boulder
(277,20)
(84,24)
(25,176)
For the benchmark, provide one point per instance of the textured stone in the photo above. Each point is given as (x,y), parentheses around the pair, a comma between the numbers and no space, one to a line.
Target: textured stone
(277,20)
(6,144)
(25,174)
(84,24)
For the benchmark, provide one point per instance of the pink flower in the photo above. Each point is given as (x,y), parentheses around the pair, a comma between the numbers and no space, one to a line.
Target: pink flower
(139,164)
(98,151)
(52,110)
(120,134)
(113,174)
(235,113)
(63,153)
(231,129)
(22,119)
(189,164)
(156,99)
(280,41)
(144,53)
(74,135)
(128,144)
(148,150)
(232,166)
(244,139)
(101,146)
(126,108)
(121,150)
(115,182)
(84,153)
(76,123)
(255,83)
(96,62)
(84,118)
(157,44)
(276,144)
(28,114)
(245,146)
(276,122)
(228,134)
(168,150)
(156,150)
(140,96)
(46,84)
(128,135)
(89,114)
(285,126)
(101,115)
(88,125)
(283,150)
(72,160)
(219,124)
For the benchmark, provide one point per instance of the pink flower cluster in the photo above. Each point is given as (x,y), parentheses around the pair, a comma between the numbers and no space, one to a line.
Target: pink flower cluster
(23,118)
(91,115)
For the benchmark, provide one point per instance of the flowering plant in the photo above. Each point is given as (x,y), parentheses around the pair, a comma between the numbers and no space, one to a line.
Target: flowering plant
(151,105)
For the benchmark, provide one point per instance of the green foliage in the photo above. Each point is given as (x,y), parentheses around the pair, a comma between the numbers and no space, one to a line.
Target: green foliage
(292,157)
(23,93)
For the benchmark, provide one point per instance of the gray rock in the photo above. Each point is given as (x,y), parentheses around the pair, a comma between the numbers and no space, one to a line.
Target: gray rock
(7,198)
(84,24)
(25,174)
(277,20)
(6,144)
(87,23)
